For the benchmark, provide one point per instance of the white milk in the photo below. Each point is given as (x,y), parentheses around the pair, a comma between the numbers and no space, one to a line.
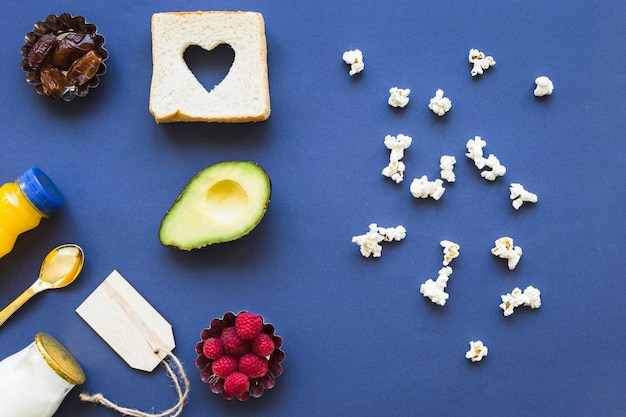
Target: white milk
(35,380)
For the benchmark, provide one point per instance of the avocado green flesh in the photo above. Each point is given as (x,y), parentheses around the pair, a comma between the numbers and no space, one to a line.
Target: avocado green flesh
(221,203)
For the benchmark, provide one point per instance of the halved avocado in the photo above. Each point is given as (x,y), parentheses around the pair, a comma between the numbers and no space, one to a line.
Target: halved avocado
(221,203)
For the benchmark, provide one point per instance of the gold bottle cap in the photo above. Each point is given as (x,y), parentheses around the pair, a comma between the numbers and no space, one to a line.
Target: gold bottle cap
(59,359)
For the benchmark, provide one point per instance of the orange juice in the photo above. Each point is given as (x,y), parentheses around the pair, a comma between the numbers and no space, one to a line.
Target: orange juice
(23,203)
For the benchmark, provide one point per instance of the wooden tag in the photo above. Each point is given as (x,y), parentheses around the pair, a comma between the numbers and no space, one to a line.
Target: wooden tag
(128,323)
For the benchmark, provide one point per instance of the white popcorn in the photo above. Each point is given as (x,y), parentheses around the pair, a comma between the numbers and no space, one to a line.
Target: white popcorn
(369,242)
(398,97)
(395,171)
(435,289)
(480,61)
(392,233)
(544,86)
(439,104)
(397,145)
(531,297)
(450,251)
(477,351)
(355,60)
(519,195)
(497,169)
(446,163)
(505,249)
(475,152)
(507,304)
(422,188)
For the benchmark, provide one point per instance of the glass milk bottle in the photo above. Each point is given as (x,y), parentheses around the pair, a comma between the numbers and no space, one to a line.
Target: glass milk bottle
(35,380)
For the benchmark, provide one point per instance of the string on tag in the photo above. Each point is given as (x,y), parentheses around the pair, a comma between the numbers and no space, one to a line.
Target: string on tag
(177,376)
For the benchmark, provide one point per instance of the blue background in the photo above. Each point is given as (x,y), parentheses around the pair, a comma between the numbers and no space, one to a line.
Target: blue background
(359,338)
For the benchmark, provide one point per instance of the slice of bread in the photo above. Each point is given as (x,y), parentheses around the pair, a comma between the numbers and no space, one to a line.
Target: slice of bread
(175,93)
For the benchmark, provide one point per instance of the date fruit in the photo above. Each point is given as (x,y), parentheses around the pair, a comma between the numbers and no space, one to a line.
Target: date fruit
(71,47)
(84,68)
(53,81)
(41,50)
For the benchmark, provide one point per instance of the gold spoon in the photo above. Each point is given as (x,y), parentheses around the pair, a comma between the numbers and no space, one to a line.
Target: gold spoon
(59,269)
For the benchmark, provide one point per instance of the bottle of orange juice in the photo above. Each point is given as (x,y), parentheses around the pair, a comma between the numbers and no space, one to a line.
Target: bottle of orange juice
(23,203)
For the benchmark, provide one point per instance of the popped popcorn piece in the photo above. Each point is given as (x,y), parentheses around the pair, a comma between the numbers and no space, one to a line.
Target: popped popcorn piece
(530,297)
(450,251)
(475,152)
(497,169)
(422,188)
(506,305)
(354,58)
(511,301)
(439,104)
(544,86)
(398,97)
(370,242)
(477,351)
(446,163)
(519,195)
(395,171)
(397,145)
(392,233)
(435,290)
(480,61)
(505,249)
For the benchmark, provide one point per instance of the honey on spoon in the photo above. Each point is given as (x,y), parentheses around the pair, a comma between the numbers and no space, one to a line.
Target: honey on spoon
(59,269)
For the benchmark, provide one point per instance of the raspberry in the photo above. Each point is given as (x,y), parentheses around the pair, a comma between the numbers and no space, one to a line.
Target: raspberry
(232,344)
(252,365)
(263,345)
(224,366)
(236,384)
(248,325)
(212,348)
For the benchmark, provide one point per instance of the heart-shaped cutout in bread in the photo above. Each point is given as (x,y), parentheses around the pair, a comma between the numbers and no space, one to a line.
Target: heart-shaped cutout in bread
(209,67)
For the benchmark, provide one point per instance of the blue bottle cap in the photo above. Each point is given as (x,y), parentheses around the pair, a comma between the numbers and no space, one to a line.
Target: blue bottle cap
(40,191)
